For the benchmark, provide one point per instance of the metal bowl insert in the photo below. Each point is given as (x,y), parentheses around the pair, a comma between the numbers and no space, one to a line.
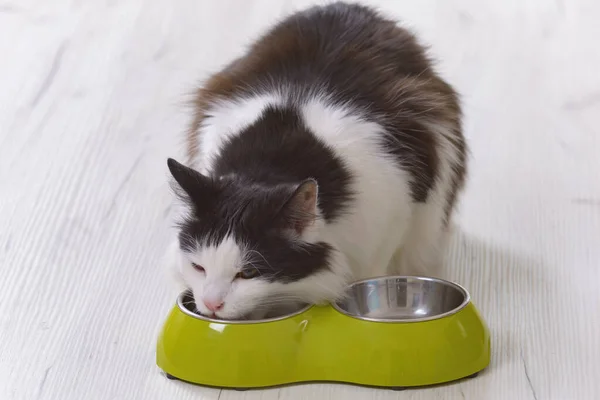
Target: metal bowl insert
(402,299)
(186,303)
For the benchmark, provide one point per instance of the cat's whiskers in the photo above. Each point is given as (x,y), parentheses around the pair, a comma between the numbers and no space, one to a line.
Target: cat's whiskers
(251,251)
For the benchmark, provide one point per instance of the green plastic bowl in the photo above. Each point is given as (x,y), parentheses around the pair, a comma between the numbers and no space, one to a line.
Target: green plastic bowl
(391,332)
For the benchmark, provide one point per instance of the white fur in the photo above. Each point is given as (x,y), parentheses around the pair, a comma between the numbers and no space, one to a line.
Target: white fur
(218,284)
(248,296)
(423,246)
(384,232)
(370,234)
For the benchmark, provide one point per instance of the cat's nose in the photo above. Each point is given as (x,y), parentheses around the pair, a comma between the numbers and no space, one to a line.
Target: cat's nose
(213,305)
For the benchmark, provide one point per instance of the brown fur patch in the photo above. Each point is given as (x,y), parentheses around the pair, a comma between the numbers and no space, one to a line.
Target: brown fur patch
(354,55)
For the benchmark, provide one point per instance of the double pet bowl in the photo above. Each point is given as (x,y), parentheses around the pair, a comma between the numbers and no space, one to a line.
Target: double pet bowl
(393,332)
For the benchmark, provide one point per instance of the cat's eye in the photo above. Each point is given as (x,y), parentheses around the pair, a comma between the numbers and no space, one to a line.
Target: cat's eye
(248,274)
(197,267)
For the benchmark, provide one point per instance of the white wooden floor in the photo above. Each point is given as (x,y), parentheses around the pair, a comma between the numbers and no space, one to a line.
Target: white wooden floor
(91,105)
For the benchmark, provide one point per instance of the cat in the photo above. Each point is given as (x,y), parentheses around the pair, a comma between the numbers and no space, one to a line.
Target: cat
(329,152)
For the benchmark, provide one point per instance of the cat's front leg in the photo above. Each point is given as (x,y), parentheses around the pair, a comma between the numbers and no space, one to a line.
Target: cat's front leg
(422,251)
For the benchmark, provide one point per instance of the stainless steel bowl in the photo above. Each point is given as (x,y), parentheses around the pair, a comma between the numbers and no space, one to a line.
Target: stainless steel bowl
(402,299)
(187,305)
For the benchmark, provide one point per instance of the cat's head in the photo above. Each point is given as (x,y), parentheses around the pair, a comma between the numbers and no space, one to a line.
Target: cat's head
(247,246)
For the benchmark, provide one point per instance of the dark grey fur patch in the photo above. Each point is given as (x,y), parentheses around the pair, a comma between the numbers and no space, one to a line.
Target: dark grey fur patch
(248,195)
(279,149)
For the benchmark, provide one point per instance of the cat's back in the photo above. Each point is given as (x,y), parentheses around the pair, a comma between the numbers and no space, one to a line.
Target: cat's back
(332,61)
(345,50)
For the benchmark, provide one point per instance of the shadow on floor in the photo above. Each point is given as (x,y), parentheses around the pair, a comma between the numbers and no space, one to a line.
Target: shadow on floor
(507,287)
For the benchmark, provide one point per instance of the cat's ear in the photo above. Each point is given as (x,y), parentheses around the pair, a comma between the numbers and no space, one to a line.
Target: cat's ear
(193,183)
(300,210)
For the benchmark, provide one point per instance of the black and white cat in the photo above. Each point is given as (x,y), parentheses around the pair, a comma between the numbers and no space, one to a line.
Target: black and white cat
(329,152)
